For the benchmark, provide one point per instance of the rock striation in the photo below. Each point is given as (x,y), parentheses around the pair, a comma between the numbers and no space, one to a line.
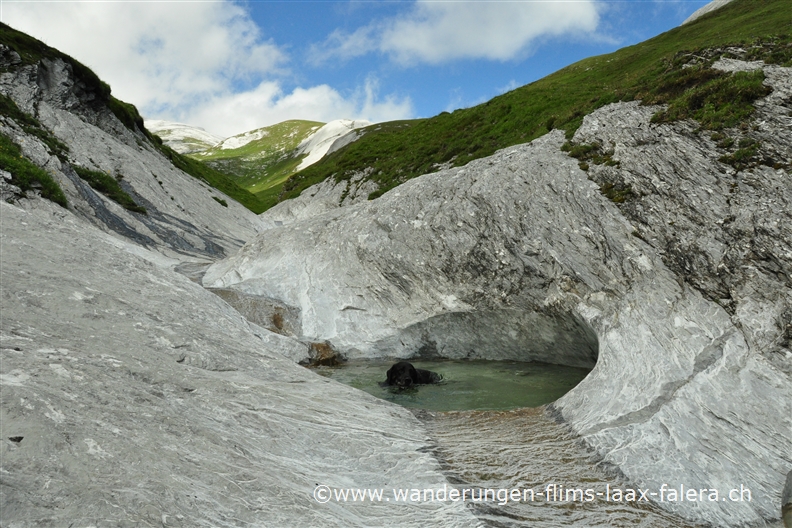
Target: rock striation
(132,396)
(184,220)
(677,289)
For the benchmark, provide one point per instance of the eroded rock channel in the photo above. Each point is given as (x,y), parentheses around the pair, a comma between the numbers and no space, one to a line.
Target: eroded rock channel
(685,286)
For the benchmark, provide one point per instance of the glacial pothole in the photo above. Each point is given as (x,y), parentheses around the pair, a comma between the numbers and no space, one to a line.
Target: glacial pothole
(466,385)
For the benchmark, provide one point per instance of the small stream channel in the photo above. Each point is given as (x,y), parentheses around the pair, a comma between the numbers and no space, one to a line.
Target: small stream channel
(490,430)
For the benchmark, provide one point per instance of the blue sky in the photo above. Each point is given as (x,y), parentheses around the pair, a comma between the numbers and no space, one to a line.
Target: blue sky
(230,67)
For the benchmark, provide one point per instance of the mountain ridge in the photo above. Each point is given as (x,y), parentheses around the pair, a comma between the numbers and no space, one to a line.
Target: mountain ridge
(183,138)
(262,159)
(394,152)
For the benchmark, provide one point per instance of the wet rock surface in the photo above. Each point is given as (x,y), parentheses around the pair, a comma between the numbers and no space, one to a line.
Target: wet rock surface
(487,450)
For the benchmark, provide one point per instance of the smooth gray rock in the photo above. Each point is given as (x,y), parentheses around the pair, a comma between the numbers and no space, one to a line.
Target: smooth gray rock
(131,396)
(320,198)
(683,291)
(267,313)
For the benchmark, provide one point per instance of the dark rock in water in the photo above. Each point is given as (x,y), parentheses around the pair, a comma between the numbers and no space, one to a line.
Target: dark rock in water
(404,375)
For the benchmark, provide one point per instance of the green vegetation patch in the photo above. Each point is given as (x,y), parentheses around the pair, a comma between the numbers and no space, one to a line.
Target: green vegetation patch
(592,153)
(262,177)
(772,50)
(220,201)
(715,99)
(26,175)
(109,186)
(748,153)
(616,192)
(212,177)
(262,166)
(32,126)
(128,114)
(652,70)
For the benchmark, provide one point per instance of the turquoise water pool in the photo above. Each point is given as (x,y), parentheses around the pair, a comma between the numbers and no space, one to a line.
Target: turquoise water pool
(466,385)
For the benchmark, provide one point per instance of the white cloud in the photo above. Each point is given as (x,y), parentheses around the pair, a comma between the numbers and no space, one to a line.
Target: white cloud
(177,60)
(267,104)
(345,45)
(434,32)
(508,87)
(154,54)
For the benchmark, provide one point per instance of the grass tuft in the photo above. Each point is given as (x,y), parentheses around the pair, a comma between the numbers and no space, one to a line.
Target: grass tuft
(716,100)
(33,127)
(26,175)
(128,115)
(109,186)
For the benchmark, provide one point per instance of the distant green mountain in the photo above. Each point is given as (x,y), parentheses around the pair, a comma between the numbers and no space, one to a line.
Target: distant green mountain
(262,159)
(182,138)
(662,70)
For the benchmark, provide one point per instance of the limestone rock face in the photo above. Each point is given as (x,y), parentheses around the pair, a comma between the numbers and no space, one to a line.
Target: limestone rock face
(183,223)
(131,396)
(681,293)
(320,198)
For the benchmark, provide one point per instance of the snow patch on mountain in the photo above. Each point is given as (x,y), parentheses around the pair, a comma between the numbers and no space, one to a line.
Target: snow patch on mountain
(182,138)
(240,140)
(320,143)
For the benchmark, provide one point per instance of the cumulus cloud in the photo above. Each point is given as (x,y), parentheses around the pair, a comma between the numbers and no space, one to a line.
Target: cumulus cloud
(176,60)
(434,32)
(154,54)
(268,104)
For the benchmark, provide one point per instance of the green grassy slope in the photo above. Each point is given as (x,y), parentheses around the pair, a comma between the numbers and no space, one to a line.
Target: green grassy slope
(31,51)
(262,165)
(650,71)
